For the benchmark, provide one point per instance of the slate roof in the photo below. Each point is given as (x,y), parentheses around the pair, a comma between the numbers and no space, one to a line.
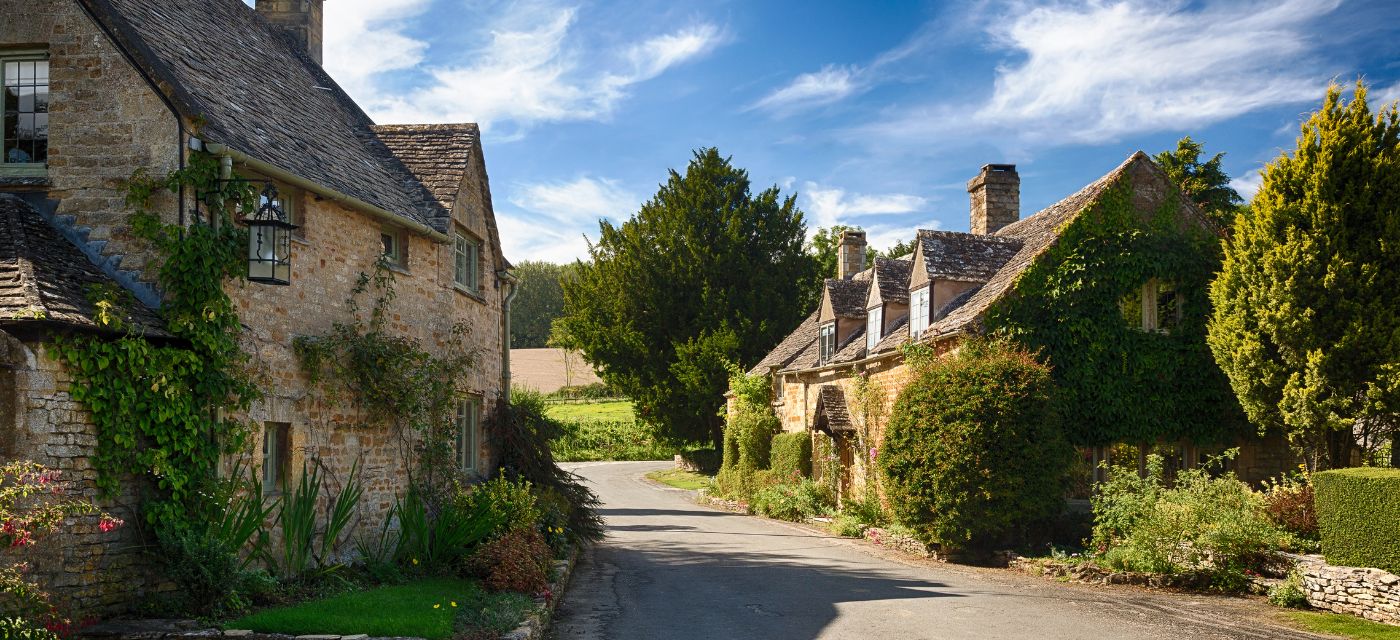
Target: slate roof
(831,409)
(894,338)
(893,277)
(848,296)
(953,255)
(438,156)
(45,279)
(257,91)
(803,336)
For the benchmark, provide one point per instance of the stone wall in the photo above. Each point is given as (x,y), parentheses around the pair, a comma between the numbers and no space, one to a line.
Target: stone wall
(1372,594)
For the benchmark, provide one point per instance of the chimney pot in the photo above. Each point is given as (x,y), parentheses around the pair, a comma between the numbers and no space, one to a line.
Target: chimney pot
(300,18)
(996,198)
(850,254)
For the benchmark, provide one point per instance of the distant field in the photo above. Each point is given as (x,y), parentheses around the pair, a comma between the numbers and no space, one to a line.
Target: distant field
(613,411)
(543,370)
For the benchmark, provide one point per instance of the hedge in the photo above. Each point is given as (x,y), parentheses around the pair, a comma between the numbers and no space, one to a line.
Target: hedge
(1358,515)
(791,455)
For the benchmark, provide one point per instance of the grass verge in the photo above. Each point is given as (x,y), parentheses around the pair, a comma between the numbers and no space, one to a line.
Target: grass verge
(611,411)
(426,608)
(1343,625)
(681,479)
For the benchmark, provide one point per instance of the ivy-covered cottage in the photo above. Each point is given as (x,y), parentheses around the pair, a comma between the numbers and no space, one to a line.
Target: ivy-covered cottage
(1109,285)
(198,230)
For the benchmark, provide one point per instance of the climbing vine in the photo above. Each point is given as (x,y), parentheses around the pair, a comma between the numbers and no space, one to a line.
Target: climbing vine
(868,400)
(1116,381)
(162,408)
(392,377)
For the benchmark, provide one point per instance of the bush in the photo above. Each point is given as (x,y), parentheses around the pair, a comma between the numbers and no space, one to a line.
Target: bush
(523,437)
(1290,593)
(706,460)
(848,526)
(1289,503)
(509,505)
(583,441)
(867,509)
(747,441)
(517,561)
(1358,516)
(974,453)
(206,569)
(791,455)
(21,629)
(794,502)
(1215,525)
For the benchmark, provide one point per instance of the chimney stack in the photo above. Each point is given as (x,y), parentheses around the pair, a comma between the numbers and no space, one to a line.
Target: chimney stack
(300,18)
(996,198)
(850,254)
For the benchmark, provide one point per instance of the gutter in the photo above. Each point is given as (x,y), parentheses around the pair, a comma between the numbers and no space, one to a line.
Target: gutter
(278,173)
(856,363)
(512,284)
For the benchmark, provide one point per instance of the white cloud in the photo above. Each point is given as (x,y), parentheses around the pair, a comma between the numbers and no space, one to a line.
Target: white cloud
(1093,71)
(1248,184)
(826,206)
(529,68)
(1383,97)
(829,85)
(548,221)
(354,27)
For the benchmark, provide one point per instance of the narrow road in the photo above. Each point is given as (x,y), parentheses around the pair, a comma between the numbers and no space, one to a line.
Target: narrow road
(670,569)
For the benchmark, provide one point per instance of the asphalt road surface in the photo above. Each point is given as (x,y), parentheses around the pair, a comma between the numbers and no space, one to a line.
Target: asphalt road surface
(670,569)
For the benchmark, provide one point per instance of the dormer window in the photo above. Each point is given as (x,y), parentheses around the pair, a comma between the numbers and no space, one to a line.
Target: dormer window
(874,327)
(827,341)
(1154,307)
(918,312)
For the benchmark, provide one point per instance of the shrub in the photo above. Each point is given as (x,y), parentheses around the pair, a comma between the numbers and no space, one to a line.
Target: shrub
(974,452)
(206,569)
(848,526)
(794,502)
(21,629)
(609,440)
(1358,515)
(435,537)
(747,440)
(791,454)
(1290,593)
(868,509)
(516,561)
(1289,503)
(706,460)
(1203,523)
(509,505)
(523,437)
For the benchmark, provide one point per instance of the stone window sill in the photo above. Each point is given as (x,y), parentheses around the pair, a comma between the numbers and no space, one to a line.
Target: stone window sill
(475,295)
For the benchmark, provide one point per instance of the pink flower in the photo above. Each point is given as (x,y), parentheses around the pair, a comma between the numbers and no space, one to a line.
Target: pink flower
(873,452)
(108,523)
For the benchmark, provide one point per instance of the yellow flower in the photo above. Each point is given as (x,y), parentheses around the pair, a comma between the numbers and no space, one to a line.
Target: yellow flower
(415,561)
(454,604)
(437,606)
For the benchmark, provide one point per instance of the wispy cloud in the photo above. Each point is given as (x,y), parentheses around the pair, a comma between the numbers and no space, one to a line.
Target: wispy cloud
(829,85)
(529,68)
(886,218)
(1093,71)
(1385,96)
(1248,184)
(548,221)
(353,27)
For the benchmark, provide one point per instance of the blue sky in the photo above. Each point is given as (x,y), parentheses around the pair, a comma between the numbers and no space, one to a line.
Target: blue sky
(874,113)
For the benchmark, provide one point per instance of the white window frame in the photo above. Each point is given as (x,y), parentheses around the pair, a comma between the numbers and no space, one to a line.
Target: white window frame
(827,341)
(467,425)
(874,327)
(919,312)
(24,169)
(398,255)
(466,262)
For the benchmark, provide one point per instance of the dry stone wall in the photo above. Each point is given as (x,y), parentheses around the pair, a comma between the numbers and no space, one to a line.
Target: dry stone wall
(1373,594)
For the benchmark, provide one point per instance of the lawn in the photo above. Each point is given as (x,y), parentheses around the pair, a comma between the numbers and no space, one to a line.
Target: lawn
(1345,626)
(610,411)
(423,608)
(681,479)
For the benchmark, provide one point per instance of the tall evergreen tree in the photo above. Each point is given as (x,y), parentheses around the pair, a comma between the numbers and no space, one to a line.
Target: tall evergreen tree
(706,274)
(1204,182)
(1307,306)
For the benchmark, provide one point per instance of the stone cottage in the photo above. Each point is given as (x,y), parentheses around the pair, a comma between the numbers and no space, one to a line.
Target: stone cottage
(96,90)
(838,374)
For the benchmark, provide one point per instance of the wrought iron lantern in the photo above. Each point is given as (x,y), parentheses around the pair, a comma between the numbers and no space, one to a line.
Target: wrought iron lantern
(269,240)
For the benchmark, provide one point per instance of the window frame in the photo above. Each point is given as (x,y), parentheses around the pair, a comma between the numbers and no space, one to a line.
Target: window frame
(399,256)
(276,456)
(874,326)
(472,262)
(827,341)
(466,423)
(919,311)
(24,169)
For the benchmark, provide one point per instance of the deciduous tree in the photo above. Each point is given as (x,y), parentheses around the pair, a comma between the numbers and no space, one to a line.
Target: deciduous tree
(540,299)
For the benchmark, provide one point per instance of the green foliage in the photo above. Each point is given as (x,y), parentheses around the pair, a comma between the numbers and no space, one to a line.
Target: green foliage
(1358,514)
(435,536)
(748,439)
(160,410)
(706,274)
(791,455)
(523,439)
(1307,323)
(898,250)
(973,453)
(1290,504)
(1291,593)
(619,440)
(826,244)
(539,299)
(207,570)
(1114,381)
(517,561)
(1201,523)
(404,610)
(794,501)
(1205,183)
(303,524)
(16,628)
(510,505)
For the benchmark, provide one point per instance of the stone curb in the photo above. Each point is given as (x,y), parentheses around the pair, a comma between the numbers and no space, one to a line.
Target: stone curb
(537,624)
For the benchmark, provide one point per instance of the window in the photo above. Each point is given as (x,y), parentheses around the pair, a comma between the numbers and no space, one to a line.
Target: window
(827,345)
(466,421)
(467,256)
(276,452)
(1154,307)
(918,312)
(395,247)
(25,77)
(874,327)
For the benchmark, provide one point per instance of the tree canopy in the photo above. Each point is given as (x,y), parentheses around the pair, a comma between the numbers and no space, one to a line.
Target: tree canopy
(899,249)
(706,274)
(1204,182)
(1307,317)
(825,245)
(538,301)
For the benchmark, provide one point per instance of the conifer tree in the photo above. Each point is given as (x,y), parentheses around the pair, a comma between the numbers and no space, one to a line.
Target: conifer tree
(1204,182)
(705,275)
(1307,307)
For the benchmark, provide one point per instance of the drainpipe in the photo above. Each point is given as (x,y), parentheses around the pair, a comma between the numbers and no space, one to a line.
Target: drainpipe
(512,287)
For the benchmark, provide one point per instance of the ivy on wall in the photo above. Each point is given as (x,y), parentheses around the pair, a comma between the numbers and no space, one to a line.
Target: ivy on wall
(1117,382)
(161,409)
